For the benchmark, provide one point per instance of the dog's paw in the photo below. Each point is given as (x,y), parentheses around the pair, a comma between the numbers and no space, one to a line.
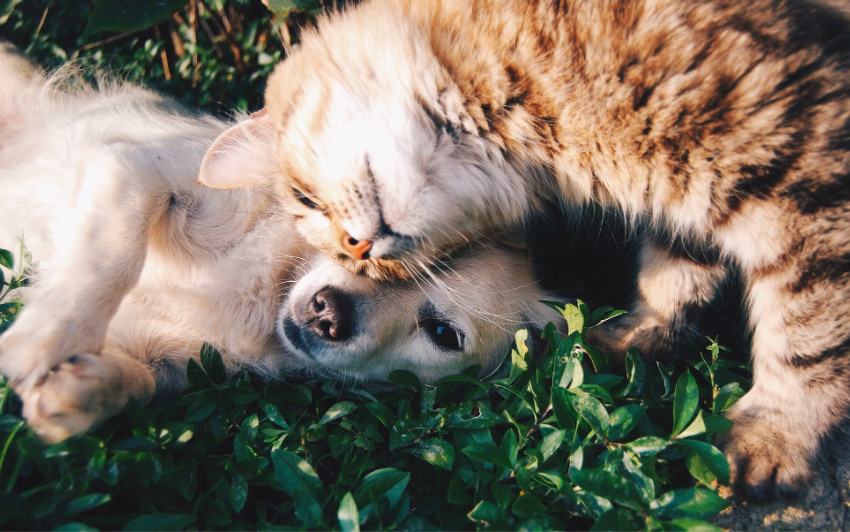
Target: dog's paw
(80,393)
(765,461)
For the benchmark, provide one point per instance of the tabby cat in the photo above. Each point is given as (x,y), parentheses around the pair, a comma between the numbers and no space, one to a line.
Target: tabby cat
(404,129)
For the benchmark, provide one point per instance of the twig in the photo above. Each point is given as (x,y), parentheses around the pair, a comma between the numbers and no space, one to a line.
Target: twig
(105,41)
(162,55)
(285,37)
(41,22)
(193,24)
(211,37)
(540,420)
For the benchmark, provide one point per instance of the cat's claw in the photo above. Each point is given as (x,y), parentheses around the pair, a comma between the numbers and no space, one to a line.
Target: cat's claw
(765,462)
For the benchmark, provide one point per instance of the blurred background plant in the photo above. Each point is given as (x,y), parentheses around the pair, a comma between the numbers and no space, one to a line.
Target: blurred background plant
(215,54)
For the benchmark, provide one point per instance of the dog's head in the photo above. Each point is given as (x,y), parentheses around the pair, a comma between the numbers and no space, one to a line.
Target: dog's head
(461,314)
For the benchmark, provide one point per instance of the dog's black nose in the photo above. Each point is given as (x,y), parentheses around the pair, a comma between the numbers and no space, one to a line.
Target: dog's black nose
(329,315)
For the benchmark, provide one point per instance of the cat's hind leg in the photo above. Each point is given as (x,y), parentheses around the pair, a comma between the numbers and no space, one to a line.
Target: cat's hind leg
(674,284)
(801,361)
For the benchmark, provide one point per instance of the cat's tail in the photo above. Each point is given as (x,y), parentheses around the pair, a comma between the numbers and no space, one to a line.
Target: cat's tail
(18,76)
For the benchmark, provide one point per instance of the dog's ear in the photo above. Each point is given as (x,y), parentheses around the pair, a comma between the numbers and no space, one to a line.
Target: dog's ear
(241,157)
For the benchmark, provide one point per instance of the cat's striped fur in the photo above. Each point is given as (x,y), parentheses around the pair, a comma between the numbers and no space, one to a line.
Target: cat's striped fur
(719,126)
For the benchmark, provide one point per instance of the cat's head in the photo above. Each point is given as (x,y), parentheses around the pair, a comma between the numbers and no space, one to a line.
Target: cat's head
(460,314)
(367,141)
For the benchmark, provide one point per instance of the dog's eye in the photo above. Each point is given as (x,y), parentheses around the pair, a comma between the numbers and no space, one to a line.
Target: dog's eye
(307,202)
(443,334)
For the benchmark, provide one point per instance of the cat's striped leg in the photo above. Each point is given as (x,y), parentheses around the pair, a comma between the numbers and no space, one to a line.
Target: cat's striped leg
(800,311)
(674,283)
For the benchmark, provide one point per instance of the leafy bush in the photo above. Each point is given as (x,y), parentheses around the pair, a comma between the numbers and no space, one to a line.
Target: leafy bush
(551,441)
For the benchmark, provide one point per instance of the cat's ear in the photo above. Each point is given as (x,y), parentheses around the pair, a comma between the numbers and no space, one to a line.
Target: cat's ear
(512,239)
(241,157)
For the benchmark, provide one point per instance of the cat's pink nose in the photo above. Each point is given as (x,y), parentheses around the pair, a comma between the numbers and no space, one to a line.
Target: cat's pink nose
(357,249)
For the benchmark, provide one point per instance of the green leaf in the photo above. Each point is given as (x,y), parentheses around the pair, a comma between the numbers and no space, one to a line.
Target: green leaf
(349,519)
(274,416)
(488,516)
(487,452)
(636,375)
(648,445)
(598,358)
(726,398)
(685,402)
(565,414)
(717,424)
(405,431)
(160,522)
(308,509)
(615,488)
(710,457)
(589,408)
(119,15)
(384,414)
(603,314)
(417,524)
(436,452)
(551,442)
(86,502)
(618,519)
(387,482)
(574,317)
(696,427)
(519,339)
(7,260)
(197,376)
(284,8)
(510,446)
(294,473)
(338,410)
(241,394)
(456,492)
(238,492)
(405,379)
(689,525)
(518,366)
(528,506)
(624,420)
(565,363)
(203,406)
(692,502)
(213,364)
(464,378)
(75,527)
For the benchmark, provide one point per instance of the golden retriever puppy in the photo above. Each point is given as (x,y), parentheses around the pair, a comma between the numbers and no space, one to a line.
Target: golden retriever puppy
(137,266)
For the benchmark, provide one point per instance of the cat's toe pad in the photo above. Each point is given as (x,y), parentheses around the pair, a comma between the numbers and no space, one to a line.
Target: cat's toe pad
(764,462)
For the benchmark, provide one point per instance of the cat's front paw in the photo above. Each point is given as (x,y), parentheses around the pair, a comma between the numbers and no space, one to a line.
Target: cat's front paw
(80,393)
(766,461)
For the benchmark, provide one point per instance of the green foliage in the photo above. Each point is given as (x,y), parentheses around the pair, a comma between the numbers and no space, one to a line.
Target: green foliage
(547,443)
(204,52)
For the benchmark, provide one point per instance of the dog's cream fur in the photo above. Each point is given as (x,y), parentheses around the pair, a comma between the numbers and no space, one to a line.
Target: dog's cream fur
(137,266)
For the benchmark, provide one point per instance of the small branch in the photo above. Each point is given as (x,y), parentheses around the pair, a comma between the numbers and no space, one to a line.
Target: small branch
(41,22)
(105,41)
(541,418)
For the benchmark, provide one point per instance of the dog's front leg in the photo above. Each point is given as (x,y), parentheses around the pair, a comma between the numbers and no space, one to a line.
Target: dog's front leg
(102,247)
